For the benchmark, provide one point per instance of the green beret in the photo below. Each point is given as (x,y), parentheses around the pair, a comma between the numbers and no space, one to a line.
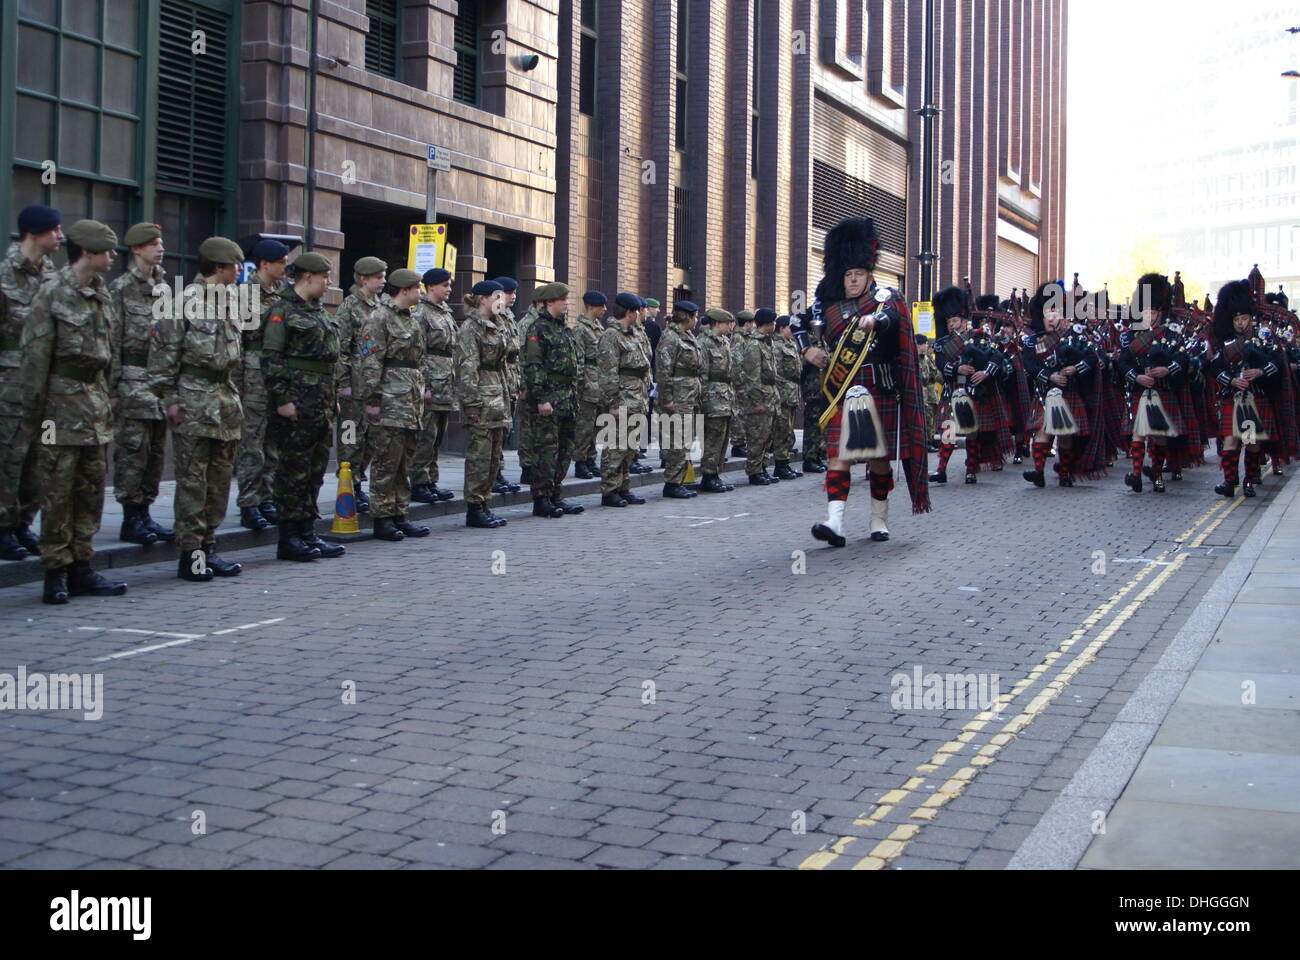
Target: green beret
(745,316)
(311,263)
(220,250)
(550,291)
(719,316)
(401,279)
(368,267)
(142,233)
(92,236)
(651,302)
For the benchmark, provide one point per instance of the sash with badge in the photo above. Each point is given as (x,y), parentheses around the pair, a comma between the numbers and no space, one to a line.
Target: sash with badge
(862,435)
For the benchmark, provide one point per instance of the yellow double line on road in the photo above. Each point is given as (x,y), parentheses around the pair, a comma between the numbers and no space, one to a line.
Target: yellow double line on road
(887,850)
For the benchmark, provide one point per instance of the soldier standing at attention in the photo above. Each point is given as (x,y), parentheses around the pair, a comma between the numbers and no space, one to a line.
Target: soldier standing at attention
(814,405)
(369,274)
(789,367)
(514,388)
(642,335)
(439,380)
(25,265)
(140,435)
(480,358)
(193,362)
(391,349)
(679,367)
(256,459)
(551,373)
(300,352)
(67,367)
(744,329)
(719,396)
(587,333)
(756,391)
(625,394)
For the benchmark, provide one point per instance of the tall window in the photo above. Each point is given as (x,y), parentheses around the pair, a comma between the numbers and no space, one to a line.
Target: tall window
(465,87)
(587,58)
(683,27)
(681,228)
(382,43)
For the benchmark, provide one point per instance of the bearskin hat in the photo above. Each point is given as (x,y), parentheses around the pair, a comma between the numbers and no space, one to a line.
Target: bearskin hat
(1235,298)
(1280,299)
(989,303)
(949,303)
(1052,290)
(853,244)
(1154,292)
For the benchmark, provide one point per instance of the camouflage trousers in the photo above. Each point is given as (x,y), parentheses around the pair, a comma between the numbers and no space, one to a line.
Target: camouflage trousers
(738,434)
(139,447)
(71,481)
(525,418)
(717,434)
(758,439)
(615,463)
(354,425)
(391,450)
(424,462)
(553,439)
(482,454)
(931,421)
(674,443)
(584,438)
(203,467)
(19,494)
(814,441)
(304,449)
(257,453)
(783,433)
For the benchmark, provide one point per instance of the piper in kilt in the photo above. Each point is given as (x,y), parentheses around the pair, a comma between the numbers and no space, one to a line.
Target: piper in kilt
(1016,393)
(871,380)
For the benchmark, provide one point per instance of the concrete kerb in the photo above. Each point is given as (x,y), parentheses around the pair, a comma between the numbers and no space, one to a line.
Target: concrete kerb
(1061,838)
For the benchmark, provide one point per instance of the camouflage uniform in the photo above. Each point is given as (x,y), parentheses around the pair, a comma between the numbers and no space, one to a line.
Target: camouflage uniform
(678,364)
(19,495)
(67,367)
(624,385)
(550,369)
(510,327)
(789,366)
(193,362)
(754,367)
(440,380)
(350,319)
(140,437)
(257,454)
(480,357)
(587,334)
(391,348)
(932,382)
(814,405)
(719,403)
(526,417)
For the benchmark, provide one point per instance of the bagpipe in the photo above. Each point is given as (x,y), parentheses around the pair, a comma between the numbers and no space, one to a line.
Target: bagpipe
(1149,351)
(1241,355)
(1069,349)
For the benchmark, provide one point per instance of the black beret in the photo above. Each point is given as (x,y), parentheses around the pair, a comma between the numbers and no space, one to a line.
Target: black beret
(628,301)
(764,316)
(686,306)
(594,298)
(268,249)
(38,219)
(508,284)
(435,276)
(485,288)
(782,322)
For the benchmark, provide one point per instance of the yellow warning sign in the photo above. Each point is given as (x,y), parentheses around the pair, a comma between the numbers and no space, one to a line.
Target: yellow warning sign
(427,248)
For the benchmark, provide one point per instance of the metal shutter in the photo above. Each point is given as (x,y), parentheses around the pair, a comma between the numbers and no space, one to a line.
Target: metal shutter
(465,76)
(1017,269)
(193,97)
(381,41)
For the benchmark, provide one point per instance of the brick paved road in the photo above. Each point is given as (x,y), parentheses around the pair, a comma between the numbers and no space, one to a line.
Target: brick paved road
(515,700)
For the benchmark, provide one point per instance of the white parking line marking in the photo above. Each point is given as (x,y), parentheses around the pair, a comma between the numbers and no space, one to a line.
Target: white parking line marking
(183,638)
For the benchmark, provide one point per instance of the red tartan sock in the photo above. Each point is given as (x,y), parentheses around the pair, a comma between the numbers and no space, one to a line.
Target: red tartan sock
(1137,450)
(838,483)
(881,485)
(1254,461)
(1228,461)
(1065,456)
(1157,459)
(1040,456)
(945,454)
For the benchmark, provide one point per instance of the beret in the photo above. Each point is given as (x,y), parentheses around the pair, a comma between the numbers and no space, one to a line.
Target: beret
(782,322)
(628,301)
(311,263)
(549,291)
(719,316)
(685,306)
(268,249)
(220,250)
(369,266)
(403,278)
(38,219)
(652,302)
(745,316)
(92,236)
(764,316)
(436,276)
(485,288)
(142,233)
(508,284)
(594,298)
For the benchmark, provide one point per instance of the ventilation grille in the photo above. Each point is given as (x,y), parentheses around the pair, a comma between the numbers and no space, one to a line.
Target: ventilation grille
(193,97)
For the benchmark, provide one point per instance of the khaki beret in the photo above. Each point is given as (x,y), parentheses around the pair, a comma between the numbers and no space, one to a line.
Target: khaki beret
(719,316)
(311,263)
(745,316)
(220,250)
(550,291)
(142,233)
(92,236)
(401,279)
(368,267)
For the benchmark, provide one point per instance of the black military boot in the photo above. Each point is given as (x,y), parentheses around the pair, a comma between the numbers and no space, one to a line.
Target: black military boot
(594,467)
(292,546)
(712,484)
(424,493)
(677,491)
(362,501)
(1228,490)
(56,586)
(760,480)
(440,493)
(526,476)
(1035,477)
(499,485)
(612,500)
(269,513)
(510,487)
(631,498)
(813,466)
(542,507)
(639,468)
(193,566)
(939,477)
(386,529)
(410,529)
(477,515)
(27,539)
(10,548)
(164,535)
(581,471)
(785,472)
(220,566)
(133,528)
(770,478)
(329,551)
(253,518)
(570,509)
(1134,482)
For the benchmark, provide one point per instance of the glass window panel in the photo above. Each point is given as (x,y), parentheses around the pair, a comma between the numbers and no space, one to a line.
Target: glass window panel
(71,198)
(200,223)
(42,10)
(110,205)
(120,87)
(81,16)
(26,189)
(117,153)
(36,59)
(79,76)
(122,23)
(76,139)
(33,129)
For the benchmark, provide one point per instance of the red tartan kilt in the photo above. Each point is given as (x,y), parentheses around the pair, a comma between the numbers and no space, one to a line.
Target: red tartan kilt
(1078,408)
(1268,425)
(886,406)
(1172,408)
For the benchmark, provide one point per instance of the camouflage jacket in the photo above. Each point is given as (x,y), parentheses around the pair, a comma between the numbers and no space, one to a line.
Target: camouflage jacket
(678,364)
(19,281)
(68,361)
(350,318)
(392,348)
(480,359)
(789,367)
(551,364)
(624,370)
(252,337)
(754,368)
(439,342)
(810,378)
(511,330)
(587,334)
(931,379)
(191,362)
(300,353)
(715,375)
(133,301)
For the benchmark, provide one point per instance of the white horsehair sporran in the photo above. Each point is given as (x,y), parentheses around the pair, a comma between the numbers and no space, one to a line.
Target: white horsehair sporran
(963,413)
(861,436)
(1246,422)
(1058,421)
(1152,417)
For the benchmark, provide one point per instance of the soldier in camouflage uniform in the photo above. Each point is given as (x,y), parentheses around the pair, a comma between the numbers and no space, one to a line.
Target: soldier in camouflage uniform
(362,300)
(440,380)
(789,367)
(67,410)
(587,334)
(814,405)
(193,362)
(932,384)
(719,397)
(552,371)
(638,328)
(255,463)
(624,371)
(480,359)
(140,436)
(514,387)
(300,353)
(744,329)
(391,348)
(25,265)
(756,391)
(678,366)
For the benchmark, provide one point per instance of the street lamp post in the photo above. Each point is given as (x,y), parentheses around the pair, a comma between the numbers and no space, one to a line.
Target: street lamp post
(928,112)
